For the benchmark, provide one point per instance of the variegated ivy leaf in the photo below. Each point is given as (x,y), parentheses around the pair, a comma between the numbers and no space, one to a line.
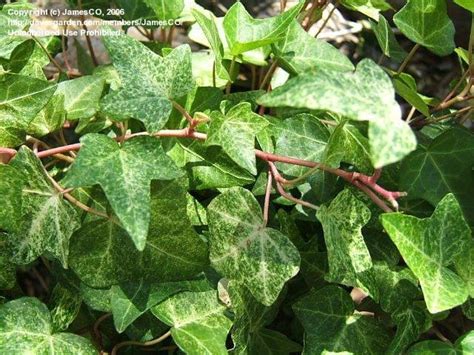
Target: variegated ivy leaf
(149,82)
(7,269)
(47,219)
(364,95)
(11,183)
(50,118)
(235,132)
(81,96)
(427,23)
(370,8)
(463,346)
(199,325)
(172,245)
(431,247)
(64,305)
(386,39)
(298,52)
(245,33)
(350,262)
(130,300)
(13,17)
(241,248)
(124,173)
(21,98)
(331,325)
(25,327)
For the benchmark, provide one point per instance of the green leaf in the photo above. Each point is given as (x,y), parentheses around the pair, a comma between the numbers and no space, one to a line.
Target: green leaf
(208,25)
(299,52)
(427,23)
(387,41)
(303,137)
(13,19)
(172,246)
(47,220)
(7,269)
(21,98)
(81,96)
(166,10)
(331,324)
(64,306)
(51,118)
(245,33)
(149,81)
(370,8)
(124,173)
(84,60)
(130,300)
(441,167)
(405,86)
(364,95)
(11,183)
(467,4)
(430,247)
(235,132)
(25,326)
(199,325)
(464,345)
(349,259)
(241,248)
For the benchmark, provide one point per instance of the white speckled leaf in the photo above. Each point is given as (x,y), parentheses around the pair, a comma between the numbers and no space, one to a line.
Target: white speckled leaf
(430,247)
(64,305)
(298,52)
(7,269)
(25,328)
(349,260)
(149,81)
(241,248)
(125,174)
(50,118)
(426,22)
(47,219)
(330,324)
(199,325)
(364,95)
(235,132)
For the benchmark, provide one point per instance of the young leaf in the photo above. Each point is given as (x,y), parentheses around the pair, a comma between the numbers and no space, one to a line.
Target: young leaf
(370,8)
(298,52)
(430,247)
(405,86)
(199,325)
(125,174)
(364,95)
(166,10)
(25,324)
(447,171)
(172,245)
(387,41)
(349,259)
(47,220)
(149,82)
(21,98)
(331,324)
(245,33)
(427,23)
(241,248)
(235,132)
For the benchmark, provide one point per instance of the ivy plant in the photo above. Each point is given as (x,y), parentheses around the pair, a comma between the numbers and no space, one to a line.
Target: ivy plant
(243,187)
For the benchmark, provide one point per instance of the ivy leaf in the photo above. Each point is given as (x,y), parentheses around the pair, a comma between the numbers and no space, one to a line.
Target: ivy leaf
(386,39)
(208,167)
(467,4)
(235,132)
(130,300)
(21,98)
(25,325)
(405,86)
(427,23)
(208,25)
(11,183)
(172,246)
(47,220)
(82,96)
(13,18)
(331,324)
(7,269)
(50,118)
(349,258)
(370,8)
(299,52)
(149,81)
(124,173)
(446,163)
(65,305)
(429,247)
(199,325)
(245,33)
(364,95)
(166,10)
(464,345)
(241,248)
(303,137)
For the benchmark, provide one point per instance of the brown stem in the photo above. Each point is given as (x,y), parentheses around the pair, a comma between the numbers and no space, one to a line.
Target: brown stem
(269,74)
(183,112)
(96,329)
(268,192)
(65,55)
(137,343)
(326,20)
(408,58)
(50,57)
